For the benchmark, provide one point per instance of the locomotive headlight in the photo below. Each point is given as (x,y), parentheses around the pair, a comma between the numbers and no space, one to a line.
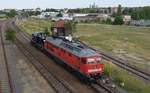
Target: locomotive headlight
(95,70)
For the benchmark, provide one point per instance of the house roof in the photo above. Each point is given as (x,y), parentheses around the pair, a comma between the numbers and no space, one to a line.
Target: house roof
(60,23)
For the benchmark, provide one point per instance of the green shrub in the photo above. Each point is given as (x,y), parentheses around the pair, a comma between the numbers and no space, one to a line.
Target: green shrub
(10,34)
(12,13)
(47,31)
(118,20)
(126,80)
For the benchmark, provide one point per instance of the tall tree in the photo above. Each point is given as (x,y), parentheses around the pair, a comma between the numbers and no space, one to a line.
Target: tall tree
(12,13)
(118,17)
(141,13)
(118,20)
(59,14)
(119,12)
(109,9)
(70,26)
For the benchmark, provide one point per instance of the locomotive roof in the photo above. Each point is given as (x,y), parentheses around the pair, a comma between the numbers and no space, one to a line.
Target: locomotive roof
(73,47)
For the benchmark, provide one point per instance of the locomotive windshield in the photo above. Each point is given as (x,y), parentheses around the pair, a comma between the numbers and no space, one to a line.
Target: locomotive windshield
(90,60)
(98,60)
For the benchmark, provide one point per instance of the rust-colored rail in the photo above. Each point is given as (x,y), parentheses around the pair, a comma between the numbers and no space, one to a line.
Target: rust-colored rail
(8,88)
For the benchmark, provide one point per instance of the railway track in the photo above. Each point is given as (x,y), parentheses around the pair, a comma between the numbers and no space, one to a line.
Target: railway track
(58,85)
(98,86)
(126,66)
(5,79)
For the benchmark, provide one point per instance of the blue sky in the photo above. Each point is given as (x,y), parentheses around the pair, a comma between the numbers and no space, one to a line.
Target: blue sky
(68,3)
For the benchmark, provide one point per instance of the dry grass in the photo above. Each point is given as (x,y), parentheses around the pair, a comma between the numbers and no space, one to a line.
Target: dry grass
(131,83)
(132,43)
(34,25)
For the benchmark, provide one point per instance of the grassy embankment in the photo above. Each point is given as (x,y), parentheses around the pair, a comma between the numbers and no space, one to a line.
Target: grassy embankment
(129,43)
(34,25)
(2,18)
(126,80)
(122,39)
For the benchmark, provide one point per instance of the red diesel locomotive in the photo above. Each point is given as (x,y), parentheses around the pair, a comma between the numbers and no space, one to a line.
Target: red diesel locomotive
(84,60)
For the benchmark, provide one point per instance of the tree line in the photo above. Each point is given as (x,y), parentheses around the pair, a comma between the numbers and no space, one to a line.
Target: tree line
(138,13)
(90,10)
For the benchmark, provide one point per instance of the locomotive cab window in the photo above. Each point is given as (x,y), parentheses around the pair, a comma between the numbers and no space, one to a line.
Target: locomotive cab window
(84,61)
(70,54)
(98,60)
(64,51)
(90,61)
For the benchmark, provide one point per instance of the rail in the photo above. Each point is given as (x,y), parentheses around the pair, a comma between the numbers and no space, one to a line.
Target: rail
(5,84)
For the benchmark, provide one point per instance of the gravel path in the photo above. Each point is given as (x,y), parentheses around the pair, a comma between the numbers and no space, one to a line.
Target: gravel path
(25,78)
